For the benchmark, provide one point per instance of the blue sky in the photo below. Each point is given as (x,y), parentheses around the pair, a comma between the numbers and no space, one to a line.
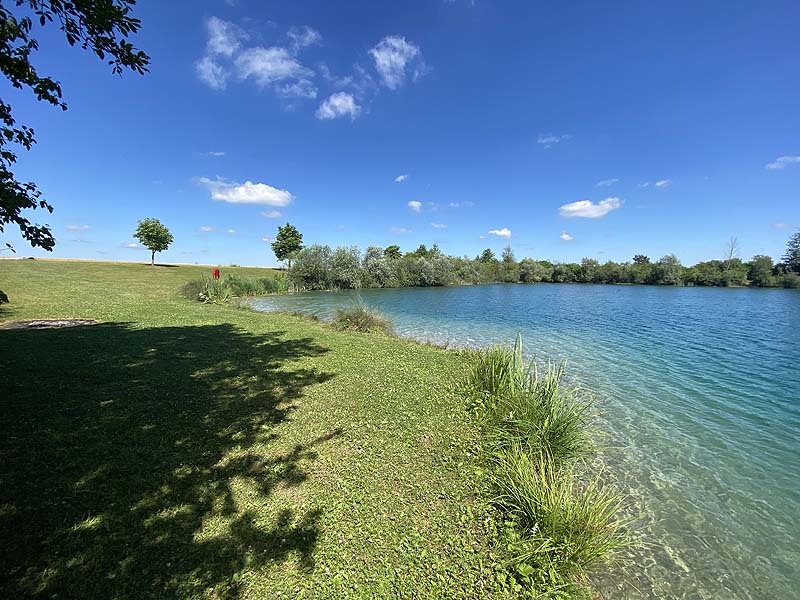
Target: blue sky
(565,130)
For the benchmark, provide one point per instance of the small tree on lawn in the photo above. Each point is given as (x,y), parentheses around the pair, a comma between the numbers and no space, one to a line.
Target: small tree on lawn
(154,236)
(288,243)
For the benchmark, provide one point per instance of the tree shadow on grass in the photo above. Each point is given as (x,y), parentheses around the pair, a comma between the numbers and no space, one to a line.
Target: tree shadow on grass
(142,462)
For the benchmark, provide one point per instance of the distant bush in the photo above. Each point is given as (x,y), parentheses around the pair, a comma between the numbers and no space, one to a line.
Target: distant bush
(220,291)
(360,318)
(558,521)
(790,280)
(319,267)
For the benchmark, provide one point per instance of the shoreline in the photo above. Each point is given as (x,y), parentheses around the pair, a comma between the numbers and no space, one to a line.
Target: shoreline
(637,425)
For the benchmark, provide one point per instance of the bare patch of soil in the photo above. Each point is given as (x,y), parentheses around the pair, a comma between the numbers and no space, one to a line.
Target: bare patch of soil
(49,323)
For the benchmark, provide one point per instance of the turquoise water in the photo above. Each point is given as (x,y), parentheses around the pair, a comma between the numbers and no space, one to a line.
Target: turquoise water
(699,390)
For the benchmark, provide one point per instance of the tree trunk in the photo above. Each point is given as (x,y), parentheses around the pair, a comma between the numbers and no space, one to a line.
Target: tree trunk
(152,258)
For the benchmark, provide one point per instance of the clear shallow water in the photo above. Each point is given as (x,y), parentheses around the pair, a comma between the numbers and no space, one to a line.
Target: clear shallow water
(700,396)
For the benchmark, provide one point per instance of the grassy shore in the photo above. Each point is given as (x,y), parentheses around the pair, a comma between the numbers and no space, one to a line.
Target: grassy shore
(181,449)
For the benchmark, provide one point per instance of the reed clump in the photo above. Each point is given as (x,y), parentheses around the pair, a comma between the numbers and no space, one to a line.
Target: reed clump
(229,287)
(558,521)
(360,317)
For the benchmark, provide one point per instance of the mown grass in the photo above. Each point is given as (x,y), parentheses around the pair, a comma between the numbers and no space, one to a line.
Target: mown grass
(188,450)
(559,521)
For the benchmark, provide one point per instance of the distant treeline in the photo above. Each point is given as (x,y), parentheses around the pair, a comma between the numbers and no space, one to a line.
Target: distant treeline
(320,268)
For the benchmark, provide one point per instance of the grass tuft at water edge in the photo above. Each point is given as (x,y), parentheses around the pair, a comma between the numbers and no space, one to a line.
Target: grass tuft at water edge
(557,520)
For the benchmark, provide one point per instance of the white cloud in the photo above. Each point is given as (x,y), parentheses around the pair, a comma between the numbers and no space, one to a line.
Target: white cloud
(548,140)
(393,55)
(303,36)
(211,73)
(77,227)
(276,66)
(214,154)
(661,183)
(504,233)
(781,225)
(206,228)
(131,245)
(400,178)
(606,182)
(268,239)
(588,209)
(246,193)
(399,230)
(268,65)
(231,231)
(338,105)
(272,214)
(439,225)
(467,204)
(415,205)
(566,237)
(224,38)
(782,162)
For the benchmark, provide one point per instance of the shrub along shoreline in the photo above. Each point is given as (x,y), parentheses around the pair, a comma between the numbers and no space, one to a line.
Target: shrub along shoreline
(231,286)
(319,267)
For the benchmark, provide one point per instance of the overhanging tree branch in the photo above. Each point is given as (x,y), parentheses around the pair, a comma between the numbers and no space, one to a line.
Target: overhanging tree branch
(100,26)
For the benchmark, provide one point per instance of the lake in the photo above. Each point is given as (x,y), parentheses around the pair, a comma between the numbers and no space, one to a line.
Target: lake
(699,394)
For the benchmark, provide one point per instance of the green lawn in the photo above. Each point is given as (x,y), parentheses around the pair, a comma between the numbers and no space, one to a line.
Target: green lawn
(200,451)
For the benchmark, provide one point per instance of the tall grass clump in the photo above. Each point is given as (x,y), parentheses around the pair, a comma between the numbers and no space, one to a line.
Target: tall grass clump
(557,520)
(220,291)
(360,317)
(525,406)
(254,286)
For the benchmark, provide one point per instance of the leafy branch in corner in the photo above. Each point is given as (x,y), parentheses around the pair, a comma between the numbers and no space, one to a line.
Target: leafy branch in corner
(100,26)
